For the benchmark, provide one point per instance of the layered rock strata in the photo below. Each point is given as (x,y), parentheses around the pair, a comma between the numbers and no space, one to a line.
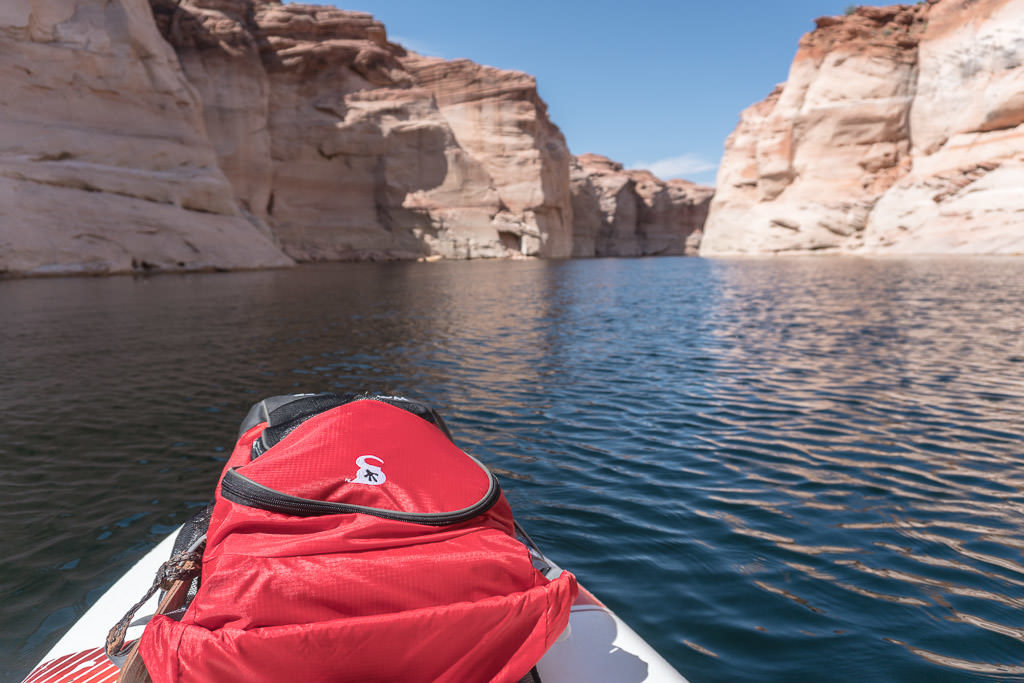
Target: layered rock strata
(899,130)
(498,117)
(621,212)
(142,135)
(105,165)
(352,148)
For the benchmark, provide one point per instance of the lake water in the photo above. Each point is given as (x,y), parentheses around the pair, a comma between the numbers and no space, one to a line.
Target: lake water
(773,469)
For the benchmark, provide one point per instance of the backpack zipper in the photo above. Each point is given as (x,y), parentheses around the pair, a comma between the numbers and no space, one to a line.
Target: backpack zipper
(238,488)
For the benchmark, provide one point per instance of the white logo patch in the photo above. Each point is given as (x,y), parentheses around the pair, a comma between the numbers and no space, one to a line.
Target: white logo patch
(369,474)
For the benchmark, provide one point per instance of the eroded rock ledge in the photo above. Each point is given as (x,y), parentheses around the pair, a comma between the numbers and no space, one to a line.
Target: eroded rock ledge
(899,130)
(167,135)
(620,212)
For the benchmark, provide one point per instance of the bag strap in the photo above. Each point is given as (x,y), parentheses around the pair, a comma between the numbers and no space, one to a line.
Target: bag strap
(174,576)
(134,668)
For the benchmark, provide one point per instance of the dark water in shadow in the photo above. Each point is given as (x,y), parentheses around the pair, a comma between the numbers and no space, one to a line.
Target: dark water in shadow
(773,469)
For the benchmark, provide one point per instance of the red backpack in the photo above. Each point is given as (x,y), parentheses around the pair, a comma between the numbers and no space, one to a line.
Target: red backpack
(351,540)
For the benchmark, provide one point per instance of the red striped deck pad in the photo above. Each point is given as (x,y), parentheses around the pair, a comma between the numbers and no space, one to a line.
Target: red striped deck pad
(91,666)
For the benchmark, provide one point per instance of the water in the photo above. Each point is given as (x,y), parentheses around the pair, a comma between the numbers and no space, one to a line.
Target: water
(773,469)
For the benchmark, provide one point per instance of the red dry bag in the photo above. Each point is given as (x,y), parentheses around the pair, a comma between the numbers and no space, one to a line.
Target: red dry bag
(351,540)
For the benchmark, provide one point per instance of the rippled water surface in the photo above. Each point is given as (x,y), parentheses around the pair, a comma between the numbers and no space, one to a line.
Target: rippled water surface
(773,469)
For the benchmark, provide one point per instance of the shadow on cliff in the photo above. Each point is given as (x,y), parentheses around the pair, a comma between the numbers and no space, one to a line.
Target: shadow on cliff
(351,148)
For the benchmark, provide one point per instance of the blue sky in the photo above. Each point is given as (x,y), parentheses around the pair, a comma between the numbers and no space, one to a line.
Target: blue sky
(649,83)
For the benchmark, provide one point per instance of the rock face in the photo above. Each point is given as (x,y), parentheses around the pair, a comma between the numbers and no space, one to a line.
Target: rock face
(142,135)
(352,148)
(105,165)
(632,213)
(899,130)
(498,117)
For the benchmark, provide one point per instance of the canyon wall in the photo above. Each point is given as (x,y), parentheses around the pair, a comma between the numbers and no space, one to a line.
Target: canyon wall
(105,165)
(352,148)
(620,212)
(899,130)
(144,135)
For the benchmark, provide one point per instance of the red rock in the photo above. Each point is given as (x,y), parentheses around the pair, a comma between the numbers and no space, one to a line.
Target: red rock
(633,213)
(259,129)
(900,129)
(358,149)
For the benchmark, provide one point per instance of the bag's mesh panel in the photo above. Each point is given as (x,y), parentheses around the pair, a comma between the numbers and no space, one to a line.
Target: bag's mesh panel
(194,529)
(532,676)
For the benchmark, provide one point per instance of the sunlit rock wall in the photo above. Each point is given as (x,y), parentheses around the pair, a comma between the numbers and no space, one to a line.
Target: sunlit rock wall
(352,148)
(899,130)
(105,165)
(155,135)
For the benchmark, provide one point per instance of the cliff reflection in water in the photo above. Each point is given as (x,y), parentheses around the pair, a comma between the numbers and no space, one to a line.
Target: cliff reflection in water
(774,469)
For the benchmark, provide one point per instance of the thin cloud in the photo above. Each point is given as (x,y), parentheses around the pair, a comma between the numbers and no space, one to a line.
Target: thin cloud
(681,166)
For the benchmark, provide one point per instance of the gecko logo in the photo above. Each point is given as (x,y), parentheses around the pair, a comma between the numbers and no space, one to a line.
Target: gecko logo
(369,474)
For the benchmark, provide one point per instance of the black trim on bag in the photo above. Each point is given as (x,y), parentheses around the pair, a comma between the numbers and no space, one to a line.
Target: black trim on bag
(238,488)
(284,414)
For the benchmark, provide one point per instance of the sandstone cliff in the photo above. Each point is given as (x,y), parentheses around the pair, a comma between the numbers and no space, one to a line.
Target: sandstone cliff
(899,130)
(187,134)
(621,212)
(352,148)
(104,161)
